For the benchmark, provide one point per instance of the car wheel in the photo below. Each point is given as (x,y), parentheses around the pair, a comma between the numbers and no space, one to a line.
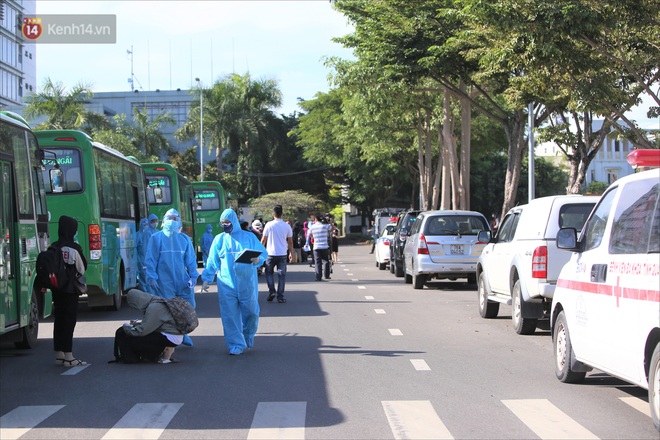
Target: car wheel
(487,309)
(29,333)
(391,264)
(382,266)
(654,387)
(563,349)
(398,269)
(522,326)
(472,279)
(408,278)
(419,281)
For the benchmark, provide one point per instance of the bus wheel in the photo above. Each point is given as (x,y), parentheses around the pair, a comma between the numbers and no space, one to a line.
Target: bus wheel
(30,332)
(116,301)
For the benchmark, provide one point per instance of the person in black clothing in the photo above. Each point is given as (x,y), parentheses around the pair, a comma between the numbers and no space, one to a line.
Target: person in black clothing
(65,300)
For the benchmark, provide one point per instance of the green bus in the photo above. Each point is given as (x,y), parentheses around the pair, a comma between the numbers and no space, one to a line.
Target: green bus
(24,228)
(210,201)
(167,189)
(106,192)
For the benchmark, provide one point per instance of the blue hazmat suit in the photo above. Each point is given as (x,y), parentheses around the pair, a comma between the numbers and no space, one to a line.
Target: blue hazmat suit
(206,242)
(141,246)
(171,261)
(238,284)
(152,221)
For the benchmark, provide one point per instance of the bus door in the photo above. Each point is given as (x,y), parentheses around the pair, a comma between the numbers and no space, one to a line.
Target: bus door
(8,299)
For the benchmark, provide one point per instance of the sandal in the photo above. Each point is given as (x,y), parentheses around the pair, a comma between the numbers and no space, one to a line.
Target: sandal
(59,361)
(281,300)
(74,363)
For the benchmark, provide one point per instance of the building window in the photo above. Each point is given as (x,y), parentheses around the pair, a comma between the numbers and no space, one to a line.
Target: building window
(593,175)
(612,175)
(617,145)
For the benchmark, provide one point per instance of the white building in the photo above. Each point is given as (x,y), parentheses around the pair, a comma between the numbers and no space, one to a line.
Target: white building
(18,67)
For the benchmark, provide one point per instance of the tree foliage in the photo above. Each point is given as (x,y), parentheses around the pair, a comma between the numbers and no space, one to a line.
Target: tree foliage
(294,204)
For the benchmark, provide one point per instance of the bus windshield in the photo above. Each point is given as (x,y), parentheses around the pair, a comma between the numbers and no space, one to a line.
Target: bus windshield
(207,200)
(64,172)
(159,190)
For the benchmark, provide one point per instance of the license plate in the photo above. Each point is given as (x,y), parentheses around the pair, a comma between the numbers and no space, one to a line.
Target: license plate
(456,249)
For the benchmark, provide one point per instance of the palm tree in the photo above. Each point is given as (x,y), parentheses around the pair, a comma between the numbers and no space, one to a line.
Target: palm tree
(64,110)
(147,135)
(236,115)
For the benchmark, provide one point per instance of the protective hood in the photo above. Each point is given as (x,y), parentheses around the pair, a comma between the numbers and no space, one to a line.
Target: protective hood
(67,229)
(230,214)
(152,217)
(209,228)
(144,223)
(138,299)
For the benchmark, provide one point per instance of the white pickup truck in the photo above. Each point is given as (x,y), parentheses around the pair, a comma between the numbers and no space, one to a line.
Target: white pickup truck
(521,264)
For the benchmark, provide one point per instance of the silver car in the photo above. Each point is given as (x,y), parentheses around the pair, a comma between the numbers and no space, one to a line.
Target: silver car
(443,245)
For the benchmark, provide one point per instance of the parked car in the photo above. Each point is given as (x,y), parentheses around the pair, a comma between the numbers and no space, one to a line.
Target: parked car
(443,245)
(382,249)
(403,225)
(606,308)
(520,265)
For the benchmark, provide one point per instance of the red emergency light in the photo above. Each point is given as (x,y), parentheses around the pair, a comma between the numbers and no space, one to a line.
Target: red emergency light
(644,158)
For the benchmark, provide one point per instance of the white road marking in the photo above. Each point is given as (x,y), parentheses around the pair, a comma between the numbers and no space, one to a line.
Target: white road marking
(638,404)
(144,421)
(362,287)
(70,371)
(20,420)
(420,365)
(395,332)
(278,420)
(546,420)
(414,419)
(379,311)
(368,297)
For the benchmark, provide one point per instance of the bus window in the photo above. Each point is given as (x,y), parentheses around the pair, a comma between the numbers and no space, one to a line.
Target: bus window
(159,190)
(63,173)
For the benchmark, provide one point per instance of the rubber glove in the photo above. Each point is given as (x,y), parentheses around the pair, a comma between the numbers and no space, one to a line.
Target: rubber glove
(255,260)
(205,286)
(190,282)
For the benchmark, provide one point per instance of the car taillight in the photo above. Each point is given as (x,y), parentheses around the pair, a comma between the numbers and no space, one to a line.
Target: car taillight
(540,262)
(422,248)
(386,242)
(94,237)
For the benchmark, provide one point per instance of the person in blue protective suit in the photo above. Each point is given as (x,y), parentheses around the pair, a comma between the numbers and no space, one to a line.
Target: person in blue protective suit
(238,285)
(141,247)
(207,240)
(151,229)
(171,262)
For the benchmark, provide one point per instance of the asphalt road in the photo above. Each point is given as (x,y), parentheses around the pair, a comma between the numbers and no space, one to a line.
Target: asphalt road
(362,355)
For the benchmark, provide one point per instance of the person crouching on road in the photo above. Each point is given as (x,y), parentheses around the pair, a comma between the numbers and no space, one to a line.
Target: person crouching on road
(238,284)
(155,336)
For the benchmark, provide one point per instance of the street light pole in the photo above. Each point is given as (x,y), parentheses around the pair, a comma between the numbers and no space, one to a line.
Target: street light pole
(201,129)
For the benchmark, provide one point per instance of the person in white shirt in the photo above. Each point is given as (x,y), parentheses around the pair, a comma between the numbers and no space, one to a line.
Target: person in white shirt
(321,232)
(278,239)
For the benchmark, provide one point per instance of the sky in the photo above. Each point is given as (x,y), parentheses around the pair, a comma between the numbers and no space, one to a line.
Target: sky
(174,42)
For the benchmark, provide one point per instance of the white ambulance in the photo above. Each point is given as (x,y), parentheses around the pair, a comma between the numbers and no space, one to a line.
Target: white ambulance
(606,306)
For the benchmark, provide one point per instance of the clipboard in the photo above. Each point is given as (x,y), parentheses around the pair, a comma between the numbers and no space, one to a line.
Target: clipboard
(247,255)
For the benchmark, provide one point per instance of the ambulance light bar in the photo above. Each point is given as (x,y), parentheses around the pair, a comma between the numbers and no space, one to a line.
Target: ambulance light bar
(644,158)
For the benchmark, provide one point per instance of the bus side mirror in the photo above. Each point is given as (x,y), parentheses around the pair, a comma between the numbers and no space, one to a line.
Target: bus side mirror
(56,180)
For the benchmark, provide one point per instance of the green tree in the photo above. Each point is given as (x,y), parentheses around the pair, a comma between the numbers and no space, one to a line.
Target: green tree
(147,134)
(294,204)
(64,109)
(187,164)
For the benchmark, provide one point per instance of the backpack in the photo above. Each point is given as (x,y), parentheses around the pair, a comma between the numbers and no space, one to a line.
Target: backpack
(133,350)
(301,238)
(185,317)
(51,272)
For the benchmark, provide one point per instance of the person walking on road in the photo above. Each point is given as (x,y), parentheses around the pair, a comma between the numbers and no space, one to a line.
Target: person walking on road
(238,284)
(320,232)
(171,263)
(278,239)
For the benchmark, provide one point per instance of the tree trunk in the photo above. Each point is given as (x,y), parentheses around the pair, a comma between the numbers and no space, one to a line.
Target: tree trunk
(466,146)
(515,133)
(218,160)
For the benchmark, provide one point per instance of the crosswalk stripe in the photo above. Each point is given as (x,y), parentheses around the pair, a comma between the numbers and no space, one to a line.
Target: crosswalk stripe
(395,332)
(20,420)
(144,421)
(368,297)
(379,311)
(546,420)
(420,365)
(414,419)
(638,404)
(74,370)
(279,420)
